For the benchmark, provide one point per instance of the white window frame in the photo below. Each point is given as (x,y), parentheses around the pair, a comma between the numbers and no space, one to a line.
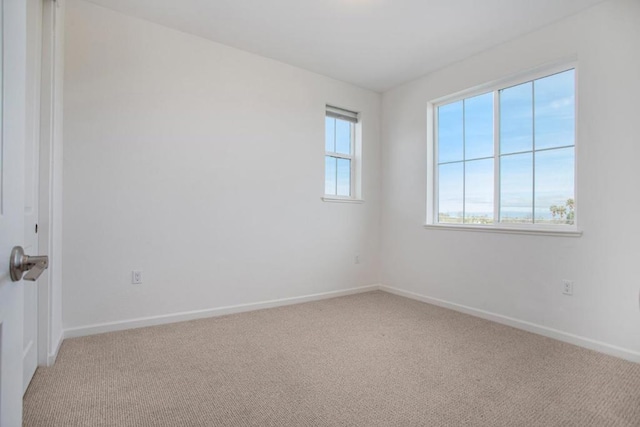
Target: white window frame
(567,230)
(353,157)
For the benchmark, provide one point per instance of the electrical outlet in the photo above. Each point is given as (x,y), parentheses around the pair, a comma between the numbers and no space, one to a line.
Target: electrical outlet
(567,287)
(136,277)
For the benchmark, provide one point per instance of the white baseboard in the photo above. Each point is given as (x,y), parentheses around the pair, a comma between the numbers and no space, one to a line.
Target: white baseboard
(213,312)
(51,357)
(599,346)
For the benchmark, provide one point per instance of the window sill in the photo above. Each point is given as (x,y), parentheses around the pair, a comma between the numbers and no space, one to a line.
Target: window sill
(341,200)
(508,230)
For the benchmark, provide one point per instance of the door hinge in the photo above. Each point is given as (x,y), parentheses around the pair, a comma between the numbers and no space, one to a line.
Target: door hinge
(36,228)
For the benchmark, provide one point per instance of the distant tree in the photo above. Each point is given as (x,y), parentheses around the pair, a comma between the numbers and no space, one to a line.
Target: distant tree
(571,214)
(559,212)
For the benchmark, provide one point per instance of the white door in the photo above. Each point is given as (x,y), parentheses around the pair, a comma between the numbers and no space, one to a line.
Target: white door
(12,144)
(32,143)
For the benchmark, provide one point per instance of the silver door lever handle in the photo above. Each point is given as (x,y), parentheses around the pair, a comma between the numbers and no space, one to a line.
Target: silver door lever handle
(20,263)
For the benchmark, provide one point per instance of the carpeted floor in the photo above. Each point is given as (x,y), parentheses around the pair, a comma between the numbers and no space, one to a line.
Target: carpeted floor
(371,359)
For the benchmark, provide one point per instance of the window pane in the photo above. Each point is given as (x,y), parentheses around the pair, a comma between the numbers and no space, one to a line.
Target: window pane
(554,186)
(330,175)
(478,126)
(516,118)
(555,110)
(516,188)
(478,207)
(343,136)
(329,134)
(344,177)
(450,148)
(450,192)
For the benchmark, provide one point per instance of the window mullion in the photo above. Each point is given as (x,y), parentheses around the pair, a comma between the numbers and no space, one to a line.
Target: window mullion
(533,153)
(464,165)
(496,158)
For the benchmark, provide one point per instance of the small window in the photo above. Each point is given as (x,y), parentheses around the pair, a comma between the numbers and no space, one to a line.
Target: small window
(506,157)
(340,148)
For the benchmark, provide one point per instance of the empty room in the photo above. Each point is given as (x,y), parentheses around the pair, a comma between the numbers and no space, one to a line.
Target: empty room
(319,213)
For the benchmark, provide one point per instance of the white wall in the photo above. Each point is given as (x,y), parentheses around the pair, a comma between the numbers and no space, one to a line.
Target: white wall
(201,165)
(519,276)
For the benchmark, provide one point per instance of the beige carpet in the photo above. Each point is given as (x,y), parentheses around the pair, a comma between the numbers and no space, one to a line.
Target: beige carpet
(372,359)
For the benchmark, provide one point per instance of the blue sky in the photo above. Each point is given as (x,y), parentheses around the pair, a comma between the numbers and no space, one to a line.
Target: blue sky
(540,111)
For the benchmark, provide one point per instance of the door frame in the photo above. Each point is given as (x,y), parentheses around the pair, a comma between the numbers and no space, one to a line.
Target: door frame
(50,332)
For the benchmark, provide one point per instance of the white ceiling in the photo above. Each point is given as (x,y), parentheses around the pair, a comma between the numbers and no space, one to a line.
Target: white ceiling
(375,44)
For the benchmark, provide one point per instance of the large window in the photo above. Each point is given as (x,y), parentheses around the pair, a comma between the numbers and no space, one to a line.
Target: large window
(506,157)
(340,147)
